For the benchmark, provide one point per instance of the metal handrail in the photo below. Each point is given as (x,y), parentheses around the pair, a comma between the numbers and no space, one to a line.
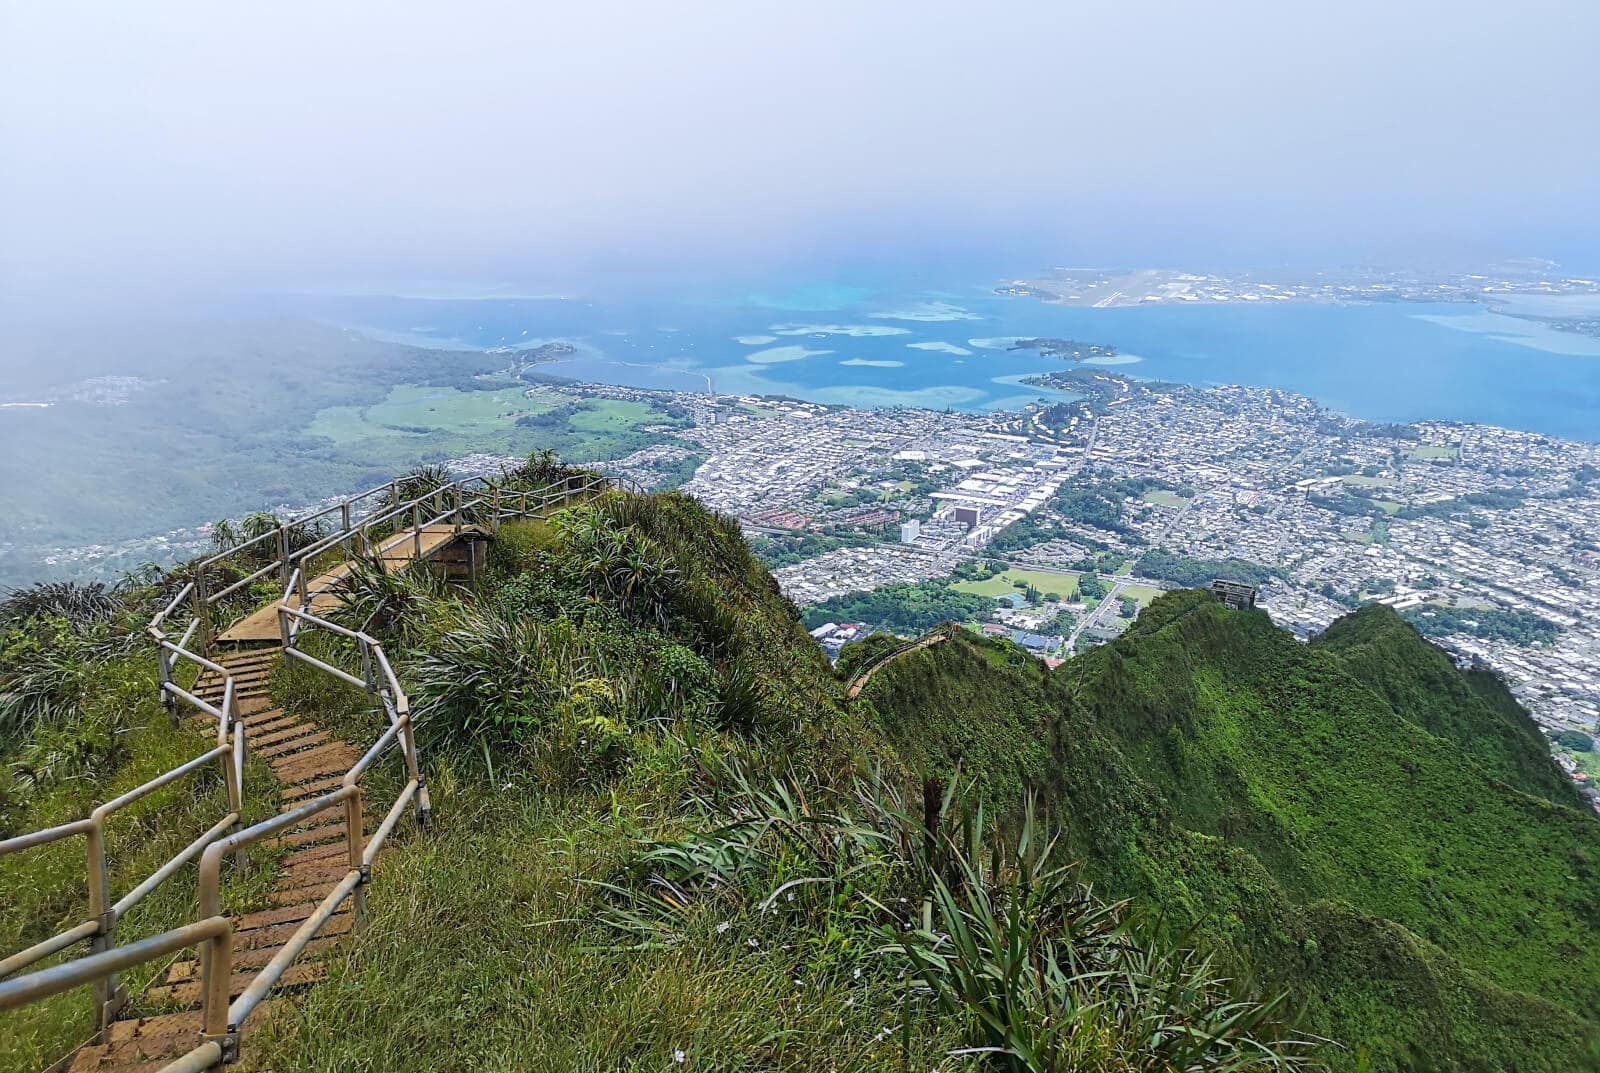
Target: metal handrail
(100,927)
(213,931)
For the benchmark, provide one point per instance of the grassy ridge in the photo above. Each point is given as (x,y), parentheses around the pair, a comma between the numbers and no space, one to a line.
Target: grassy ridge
(664,838)
(1264,791)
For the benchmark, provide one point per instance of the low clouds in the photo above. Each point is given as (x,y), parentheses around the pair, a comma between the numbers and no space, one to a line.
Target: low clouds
(307,144)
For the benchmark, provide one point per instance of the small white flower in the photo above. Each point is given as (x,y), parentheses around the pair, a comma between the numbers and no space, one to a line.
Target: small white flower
(679,1057)
(753,943)
(856,973)
(724,926)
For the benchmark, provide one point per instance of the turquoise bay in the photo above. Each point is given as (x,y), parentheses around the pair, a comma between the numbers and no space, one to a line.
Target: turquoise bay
(948,348)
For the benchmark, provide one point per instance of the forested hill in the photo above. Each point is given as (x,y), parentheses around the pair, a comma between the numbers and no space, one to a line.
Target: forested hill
(1473,709)
(1355,820)
(664,836)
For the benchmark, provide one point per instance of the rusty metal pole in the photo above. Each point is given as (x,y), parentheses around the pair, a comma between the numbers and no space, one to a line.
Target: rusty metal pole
(202,609)
(164,668)
(283,555)
(106,989)
(233,773)
(217,976)
(352,835)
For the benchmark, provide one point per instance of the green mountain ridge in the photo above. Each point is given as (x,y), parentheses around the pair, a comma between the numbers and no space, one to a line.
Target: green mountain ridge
(664,836)
(1272,795)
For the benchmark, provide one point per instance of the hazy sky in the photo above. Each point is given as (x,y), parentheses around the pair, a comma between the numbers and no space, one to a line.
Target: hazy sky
(340,143)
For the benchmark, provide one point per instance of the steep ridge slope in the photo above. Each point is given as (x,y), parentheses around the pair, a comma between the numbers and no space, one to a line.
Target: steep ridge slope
(1472,709)
(1263,790)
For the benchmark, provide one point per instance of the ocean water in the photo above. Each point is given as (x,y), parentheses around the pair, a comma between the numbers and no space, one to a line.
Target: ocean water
(887,345)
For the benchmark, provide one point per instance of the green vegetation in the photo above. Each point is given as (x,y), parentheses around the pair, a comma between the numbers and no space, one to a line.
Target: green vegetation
(287,412)
(1312,811)
(1575,740)
(1496,499)
(1142,594)
(1197,573)
(1517,626)
(1063,585)
(663,837)
(910,609)
(790,548)
(1433,452)
(80,723)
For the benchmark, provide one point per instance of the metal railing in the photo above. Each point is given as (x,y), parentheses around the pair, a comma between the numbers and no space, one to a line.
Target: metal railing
(379,531)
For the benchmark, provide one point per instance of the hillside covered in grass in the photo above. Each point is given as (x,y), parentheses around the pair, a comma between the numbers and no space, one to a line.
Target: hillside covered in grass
(1355,821)
(662,836)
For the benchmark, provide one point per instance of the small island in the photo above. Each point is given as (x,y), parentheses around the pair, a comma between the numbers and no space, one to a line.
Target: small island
(1065,349)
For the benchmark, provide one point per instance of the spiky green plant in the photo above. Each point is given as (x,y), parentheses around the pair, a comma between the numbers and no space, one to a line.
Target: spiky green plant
(391,603)
(483,680)
(997,936)
(541,469)
(631,572)
(419,482)
(45,665)
(80,604)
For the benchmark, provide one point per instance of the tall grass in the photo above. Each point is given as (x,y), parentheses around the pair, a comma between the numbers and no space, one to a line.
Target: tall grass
(120,738)
(996,936)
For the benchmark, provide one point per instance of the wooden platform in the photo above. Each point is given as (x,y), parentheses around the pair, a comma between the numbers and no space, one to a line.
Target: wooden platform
(396,552)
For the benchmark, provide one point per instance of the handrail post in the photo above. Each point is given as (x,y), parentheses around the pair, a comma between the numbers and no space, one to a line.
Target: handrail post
(202,609)
(233,775)
(354,847)
(217,978)
(283,626)
(408,741)
(164,668)
(416,529)
(108,993)
(494,513)
(216,957)
(366,665)
(344,524)
(456,490)
(283,555)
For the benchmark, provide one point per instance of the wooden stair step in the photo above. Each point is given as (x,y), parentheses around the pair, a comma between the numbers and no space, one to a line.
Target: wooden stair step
(165,1024)
(295,895)
(268,731)
(255,705)
(254,957)
(316,874)
(328,851)
(322,832)
(300,794)
(291,913)
(178,1032)
(188,993)
(278,934)
(325,759)
(95,1059)
(287,745)
(261,657)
